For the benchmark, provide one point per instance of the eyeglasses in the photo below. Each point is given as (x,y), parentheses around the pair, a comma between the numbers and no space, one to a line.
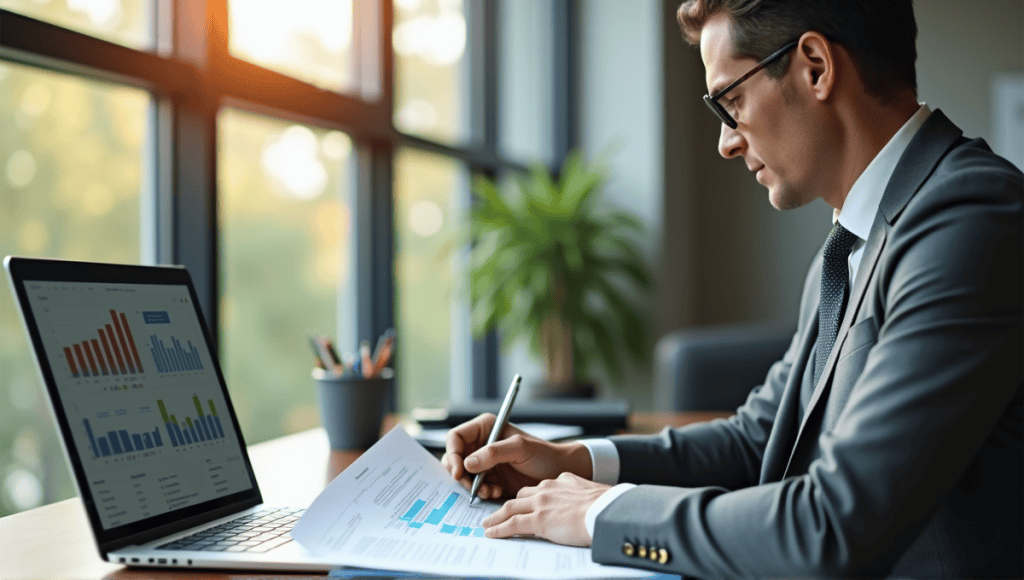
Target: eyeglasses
(712,100)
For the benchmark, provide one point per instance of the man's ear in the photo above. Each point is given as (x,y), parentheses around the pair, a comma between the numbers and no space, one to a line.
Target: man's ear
(815,60)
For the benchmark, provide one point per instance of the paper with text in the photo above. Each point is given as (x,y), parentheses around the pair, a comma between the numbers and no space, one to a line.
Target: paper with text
(397,508)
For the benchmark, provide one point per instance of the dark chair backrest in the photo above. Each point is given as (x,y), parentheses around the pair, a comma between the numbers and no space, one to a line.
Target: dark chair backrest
(714,368)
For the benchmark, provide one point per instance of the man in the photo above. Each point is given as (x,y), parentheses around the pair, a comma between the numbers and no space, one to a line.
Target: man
(887,441)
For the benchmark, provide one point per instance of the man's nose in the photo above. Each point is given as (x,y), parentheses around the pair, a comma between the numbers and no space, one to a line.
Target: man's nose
(730,142)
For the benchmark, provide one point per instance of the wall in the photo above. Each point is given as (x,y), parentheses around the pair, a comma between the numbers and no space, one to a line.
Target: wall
(621,113)
(961,47)
(721,252)
(742,259)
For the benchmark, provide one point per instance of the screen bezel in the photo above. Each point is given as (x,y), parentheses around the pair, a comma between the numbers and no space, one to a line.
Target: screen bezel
(27,270)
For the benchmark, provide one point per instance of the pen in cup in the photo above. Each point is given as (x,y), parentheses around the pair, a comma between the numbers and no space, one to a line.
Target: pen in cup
(363,363)
(499,424)
(318,359)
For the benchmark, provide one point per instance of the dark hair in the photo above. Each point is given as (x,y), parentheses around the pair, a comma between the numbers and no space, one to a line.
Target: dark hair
(880,35)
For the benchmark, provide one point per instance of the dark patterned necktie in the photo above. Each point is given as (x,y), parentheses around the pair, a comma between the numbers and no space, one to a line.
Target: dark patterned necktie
(835,282)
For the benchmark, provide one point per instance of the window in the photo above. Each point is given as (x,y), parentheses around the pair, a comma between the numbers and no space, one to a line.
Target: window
(308,164)
(527,70)
(430,42)
(285,219)
(430,193)
(126,22)
(310,40)
(71,178)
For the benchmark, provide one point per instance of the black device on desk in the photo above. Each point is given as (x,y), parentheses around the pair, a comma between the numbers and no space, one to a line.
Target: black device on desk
(146,419)
(596,417)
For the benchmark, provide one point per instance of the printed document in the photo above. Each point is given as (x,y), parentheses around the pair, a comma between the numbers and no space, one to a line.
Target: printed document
(397,508)
(435,438)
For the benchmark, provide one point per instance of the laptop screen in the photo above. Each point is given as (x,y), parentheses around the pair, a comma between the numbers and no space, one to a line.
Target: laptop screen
(145,408)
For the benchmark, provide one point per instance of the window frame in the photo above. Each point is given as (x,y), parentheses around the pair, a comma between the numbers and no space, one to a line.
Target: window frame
(191,75)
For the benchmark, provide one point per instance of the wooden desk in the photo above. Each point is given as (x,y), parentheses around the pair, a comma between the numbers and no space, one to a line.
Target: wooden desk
(55,541)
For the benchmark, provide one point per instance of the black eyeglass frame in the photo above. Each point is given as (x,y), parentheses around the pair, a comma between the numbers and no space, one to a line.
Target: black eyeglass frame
(712,100)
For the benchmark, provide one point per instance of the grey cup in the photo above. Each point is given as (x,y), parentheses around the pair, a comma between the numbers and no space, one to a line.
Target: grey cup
(352,408)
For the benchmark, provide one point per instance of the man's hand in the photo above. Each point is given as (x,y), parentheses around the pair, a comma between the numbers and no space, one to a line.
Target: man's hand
(515,461)
(555,510)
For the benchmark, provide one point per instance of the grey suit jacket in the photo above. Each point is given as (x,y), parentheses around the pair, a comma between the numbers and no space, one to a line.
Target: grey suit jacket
(909,461)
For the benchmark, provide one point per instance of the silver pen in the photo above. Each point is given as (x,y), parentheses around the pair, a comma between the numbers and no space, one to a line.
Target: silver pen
(499,424)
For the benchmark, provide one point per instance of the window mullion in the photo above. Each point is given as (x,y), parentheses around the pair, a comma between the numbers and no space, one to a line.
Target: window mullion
(193,152)
(374,242)
(565,78)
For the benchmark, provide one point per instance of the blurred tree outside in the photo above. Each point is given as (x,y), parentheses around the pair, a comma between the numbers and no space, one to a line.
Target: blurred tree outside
(284,221)
(125,22)
(427,194)
(430,61)
(71,169)
(73,159)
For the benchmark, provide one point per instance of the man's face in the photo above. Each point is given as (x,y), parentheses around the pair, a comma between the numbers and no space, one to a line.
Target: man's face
(772,136)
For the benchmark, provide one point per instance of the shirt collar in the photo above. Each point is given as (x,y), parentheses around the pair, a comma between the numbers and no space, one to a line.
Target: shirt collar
(862,202)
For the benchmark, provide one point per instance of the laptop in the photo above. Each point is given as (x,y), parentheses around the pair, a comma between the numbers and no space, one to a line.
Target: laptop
(146,420)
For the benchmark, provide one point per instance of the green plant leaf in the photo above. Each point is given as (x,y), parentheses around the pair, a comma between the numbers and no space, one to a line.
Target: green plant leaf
(540,229)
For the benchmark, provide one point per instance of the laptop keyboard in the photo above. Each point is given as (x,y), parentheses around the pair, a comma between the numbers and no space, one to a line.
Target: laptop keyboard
(257,532)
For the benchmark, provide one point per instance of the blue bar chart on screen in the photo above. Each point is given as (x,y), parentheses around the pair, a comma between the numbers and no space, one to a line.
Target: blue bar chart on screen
(170,353)
(107,445)
(145,407)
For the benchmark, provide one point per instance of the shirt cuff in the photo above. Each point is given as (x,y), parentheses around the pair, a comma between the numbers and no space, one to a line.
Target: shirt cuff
(605,460)
(602,502)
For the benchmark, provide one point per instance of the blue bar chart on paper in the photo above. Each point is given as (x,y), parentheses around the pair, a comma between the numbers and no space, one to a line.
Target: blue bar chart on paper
(436,517)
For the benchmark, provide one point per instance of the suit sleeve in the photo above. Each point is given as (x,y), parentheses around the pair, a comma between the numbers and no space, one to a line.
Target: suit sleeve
(725,452)
(945,367)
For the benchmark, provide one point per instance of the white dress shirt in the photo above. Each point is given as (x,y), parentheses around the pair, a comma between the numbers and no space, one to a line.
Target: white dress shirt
(857,215)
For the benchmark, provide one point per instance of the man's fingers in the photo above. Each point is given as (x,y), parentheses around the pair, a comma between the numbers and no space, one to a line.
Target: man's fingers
(511,508)
(453,463)
(517,525)
(470,435)
(511,450)
(530,491)
(489,491)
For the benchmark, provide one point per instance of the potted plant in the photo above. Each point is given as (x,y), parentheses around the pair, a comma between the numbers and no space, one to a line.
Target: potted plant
(549,266)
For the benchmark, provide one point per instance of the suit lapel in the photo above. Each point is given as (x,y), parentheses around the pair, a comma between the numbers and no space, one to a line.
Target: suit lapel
(876,240)
(924,152)
(780,442)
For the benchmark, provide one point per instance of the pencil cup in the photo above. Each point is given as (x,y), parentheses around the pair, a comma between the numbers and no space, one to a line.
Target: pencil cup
(352,408)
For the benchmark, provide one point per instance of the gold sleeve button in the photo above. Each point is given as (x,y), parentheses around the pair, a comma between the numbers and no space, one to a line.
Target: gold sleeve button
(663,556)
(628,549)
(642,551)
(653,554)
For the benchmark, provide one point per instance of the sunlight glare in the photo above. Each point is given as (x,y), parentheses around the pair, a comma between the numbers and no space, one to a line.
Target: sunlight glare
(417,115)
(336,145)
(270,31)
(408,5)
(440,40)
(24,489)
(292,160)
(21,168)
(425,218)
(105,13)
